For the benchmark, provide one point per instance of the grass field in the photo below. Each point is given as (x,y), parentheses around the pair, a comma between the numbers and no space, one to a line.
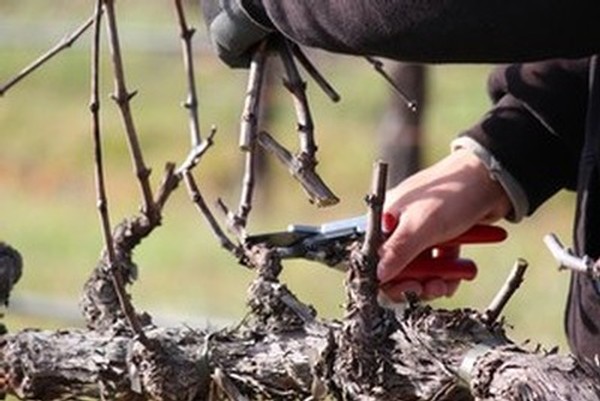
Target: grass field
(47,201)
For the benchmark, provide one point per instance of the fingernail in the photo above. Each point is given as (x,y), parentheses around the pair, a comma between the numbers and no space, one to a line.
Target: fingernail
(388,222)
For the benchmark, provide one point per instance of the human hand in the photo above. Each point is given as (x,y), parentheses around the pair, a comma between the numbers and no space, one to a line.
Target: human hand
(432,207)
(233,31)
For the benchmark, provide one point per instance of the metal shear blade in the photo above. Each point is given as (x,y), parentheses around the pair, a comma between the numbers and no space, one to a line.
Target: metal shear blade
(313,242)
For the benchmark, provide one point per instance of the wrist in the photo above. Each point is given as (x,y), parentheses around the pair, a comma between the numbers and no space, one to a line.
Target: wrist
(511,190)
(482,199)
(498,201)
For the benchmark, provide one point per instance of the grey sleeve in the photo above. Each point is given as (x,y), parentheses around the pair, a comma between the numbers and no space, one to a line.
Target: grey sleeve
(441,30)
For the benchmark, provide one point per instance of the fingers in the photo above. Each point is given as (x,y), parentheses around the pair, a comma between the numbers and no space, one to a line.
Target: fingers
(429,290)
(452,287)
(408,239)
(433,289)
(398,291)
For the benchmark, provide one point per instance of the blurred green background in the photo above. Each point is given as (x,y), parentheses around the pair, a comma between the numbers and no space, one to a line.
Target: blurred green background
(47,201)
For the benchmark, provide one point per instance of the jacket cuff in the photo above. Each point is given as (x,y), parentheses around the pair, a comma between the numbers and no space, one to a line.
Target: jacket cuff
(514,190)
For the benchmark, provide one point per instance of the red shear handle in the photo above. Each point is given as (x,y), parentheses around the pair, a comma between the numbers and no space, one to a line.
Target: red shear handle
(445,269)
(479,234)
(442,261)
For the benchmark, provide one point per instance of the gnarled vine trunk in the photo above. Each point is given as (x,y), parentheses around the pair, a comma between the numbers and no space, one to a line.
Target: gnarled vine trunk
(420,360)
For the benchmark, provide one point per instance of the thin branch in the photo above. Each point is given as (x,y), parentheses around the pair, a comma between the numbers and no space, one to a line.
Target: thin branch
(66,42)
(123,98)
(297,88)
(196,153)
(168,185)
(310,68)
(201,205)
(191,104)
(248,133)
(102,201)
(101,198)
(375,201)
(305,162)
(567,260)
(269,143)
(247,194)
(233,225)
(512,284)
(311,183)
(251,111)
(378,66)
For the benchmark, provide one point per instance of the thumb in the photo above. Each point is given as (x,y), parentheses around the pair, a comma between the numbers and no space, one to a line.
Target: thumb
(402,246)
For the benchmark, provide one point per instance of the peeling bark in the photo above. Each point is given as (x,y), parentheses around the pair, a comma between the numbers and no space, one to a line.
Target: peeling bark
(100,302)
(281,351)
(419,361)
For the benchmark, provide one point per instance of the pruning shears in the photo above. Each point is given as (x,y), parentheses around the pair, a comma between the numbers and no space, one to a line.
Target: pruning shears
(329,244)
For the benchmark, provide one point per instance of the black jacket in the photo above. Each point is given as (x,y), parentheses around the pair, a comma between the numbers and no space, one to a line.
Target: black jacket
(544,129)
(440,30)
(545,125)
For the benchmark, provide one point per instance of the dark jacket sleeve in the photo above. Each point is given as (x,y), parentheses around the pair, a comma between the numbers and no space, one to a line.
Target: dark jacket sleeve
(537,125)
(440,30)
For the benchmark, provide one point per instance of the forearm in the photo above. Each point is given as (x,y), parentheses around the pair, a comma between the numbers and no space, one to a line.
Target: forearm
(438,30)
(535,129)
